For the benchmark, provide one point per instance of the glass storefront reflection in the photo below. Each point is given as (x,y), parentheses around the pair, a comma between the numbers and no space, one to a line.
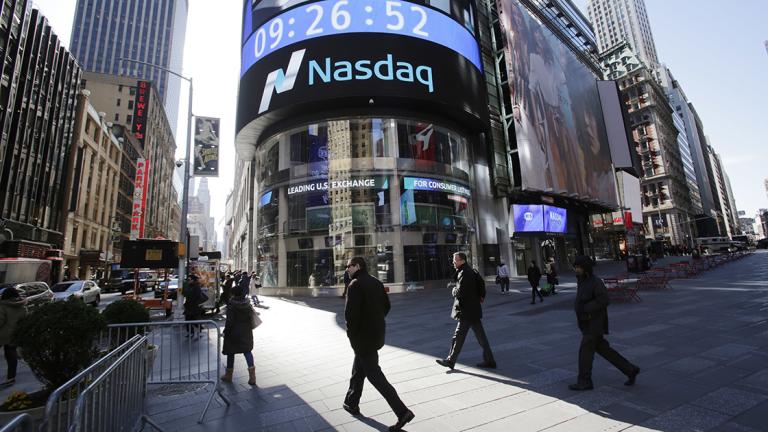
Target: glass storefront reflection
(393,191)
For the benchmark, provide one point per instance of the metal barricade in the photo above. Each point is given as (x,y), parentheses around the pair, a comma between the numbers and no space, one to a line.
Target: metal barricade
(22,422)
(61,403)
(114,401)
(187,352)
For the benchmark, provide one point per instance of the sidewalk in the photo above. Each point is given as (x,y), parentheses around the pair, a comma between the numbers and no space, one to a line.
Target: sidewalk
(702,347)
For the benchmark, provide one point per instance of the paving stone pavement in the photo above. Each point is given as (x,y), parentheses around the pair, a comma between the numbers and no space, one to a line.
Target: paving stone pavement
(702,347)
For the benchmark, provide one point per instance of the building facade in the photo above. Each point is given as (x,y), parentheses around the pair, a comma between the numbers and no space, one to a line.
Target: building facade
(93,187)
(668,208)
(150,31)
(118,97)
(623,20)
(475,143)
(38,91)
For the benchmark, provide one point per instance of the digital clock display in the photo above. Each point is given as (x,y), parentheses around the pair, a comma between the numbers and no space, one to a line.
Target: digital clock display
(334,17)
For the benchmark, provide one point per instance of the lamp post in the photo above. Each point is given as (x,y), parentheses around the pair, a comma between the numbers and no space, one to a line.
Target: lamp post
(185,191)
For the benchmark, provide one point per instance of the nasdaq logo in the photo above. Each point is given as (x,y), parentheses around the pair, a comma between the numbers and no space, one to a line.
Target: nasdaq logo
(385,70)
(279,81)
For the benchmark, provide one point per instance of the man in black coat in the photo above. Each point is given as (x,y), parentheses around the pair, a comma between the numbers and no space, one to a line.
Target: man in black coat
(367,306)
(534,276)
(468,294)
(591,308)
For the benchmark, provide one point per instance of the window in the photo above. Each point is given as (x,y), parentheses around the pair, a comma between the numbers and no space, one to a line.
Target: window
(117,117)
(130,104)
(120,88)
(129,119)
(118,101)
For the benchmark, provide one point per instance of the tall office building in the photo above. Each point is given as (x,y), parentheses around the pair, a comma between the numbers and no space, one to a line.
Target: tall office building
(623,20)
(151,31)
(38,93)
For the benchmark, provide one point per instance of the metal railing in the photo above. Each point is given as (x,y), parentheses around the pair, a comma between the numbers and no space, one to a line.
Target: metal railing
(114,401)
(187,352)
(61,403)
(22,422)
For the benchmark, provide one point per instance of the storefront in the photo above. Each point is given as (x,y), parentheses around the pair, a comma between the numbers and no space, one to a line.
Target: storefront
(395,191)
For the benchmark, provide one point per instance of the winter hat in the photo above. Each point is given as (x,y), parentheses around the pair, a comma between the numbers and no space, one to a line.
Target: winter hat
(584,262)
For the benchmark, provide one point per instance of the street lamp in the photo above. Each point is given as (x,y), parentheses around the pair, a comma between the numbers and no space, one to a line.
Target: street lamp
(185,192)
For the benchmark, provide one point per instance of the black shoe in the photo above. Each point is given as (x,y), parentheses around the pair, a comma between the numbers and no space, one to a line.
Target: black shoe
(632,377)
(487,365)
(580,387)
(445,363)
(355,410)
(405,418)
(533,302)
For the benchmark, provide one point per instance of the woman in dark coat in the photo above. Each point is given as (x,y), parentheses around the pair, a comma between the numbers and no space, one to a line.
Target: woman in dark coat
(193,297)
(238,334)
(534,275)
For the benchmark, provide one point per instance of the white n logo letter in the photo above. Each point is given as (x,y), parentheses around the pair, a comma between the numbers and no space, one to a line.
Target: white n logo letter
(280,81)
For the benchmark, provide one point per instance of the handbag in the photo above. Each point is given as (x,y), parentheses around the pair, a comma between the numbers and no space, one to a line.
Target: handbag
(255,320)
(498,280)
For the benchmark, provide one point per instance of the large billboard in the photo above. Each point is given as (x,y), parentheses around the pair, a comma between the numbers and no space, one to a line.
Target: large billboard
(206,147)
(539,218)
(559,127)
(356,56)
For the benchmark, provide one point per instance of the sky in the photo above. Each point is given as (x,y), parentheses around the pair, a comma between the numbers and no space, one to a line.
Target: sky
(715,52)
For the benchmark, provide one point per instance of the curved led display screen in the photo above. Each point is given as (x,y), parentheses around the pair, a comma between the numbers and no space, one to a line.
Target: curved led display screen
(337,55)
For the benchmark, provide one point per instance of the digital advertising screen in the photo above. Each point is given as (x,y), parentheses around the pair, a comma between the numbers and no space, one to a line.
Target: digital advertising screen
(559,127)
(528,217)
(353,55)
(555,219)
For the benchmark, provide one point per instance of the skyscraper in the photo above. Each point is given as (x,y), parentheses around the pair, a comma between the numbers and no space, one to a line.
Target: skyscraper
(151,31)
(626,20)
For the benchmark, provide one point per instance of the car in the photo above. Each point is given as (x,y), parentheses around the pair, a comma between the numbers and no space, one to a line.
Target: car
(171,285)
(36,293)
(147,281)
(88,291)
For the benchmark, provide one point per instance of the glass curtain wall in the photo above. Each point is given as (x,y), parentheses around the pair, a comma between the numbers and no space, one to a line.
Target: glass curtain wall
(394,191)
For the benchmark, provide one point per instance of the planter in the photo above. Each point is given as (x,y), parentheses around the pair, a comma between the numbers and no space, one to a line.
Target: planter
(37,414)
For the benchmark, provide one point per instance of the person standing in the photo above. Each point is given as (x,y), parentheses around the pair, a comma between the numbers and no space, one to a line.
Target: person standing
(591,309)
(347,280)
(253,288)
(226,288)
(365,311)
(12,310)
(193,297)
(469,294)
(551,274)
(534,276)
(502,272)
(238,334)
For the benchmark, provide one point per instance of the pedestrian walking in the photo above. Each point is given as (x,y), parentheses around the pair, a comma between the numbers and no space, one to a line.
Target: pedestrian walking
(552,275)
(468,294)
(238,334)
(502,276)
(12,310)
(193,298)
(591,308)
(534,276)
(253,288)
(365,311)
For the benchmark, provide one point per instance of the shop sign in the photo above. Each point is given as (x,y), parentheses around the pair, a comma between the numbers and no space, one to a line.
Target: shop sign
(139,198)
(140,111)
(324,185)
(428,184)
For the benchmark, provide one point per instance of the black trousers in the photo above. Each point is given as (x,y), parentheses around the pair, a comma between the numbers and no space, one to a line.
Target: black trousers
(504,282)
(462,328)
(591,344)
(12,358)
(534,291)
(366,365)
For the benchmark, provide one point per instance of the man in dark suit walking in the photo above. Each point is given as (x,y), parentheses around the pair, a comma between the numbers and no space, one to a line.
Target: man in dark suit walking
(591,308)
(468,294)
(367,306)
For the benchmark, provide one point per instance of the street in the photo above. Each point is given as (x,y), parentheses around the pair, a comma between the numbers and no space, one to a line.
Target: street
(702,347)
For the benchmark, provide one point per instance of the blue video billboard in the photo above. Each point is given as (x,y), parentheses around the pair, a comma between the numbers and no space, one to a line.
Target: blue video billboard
(555,219)
(528,217)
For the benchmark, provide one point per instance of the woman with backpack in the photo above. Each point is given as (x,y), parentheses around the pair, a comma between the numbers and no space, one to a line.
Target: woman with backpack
(238,334)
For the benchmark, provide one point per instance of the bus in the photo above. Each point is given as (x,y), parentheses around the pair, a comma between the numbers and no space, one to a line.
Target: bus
(712,245)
